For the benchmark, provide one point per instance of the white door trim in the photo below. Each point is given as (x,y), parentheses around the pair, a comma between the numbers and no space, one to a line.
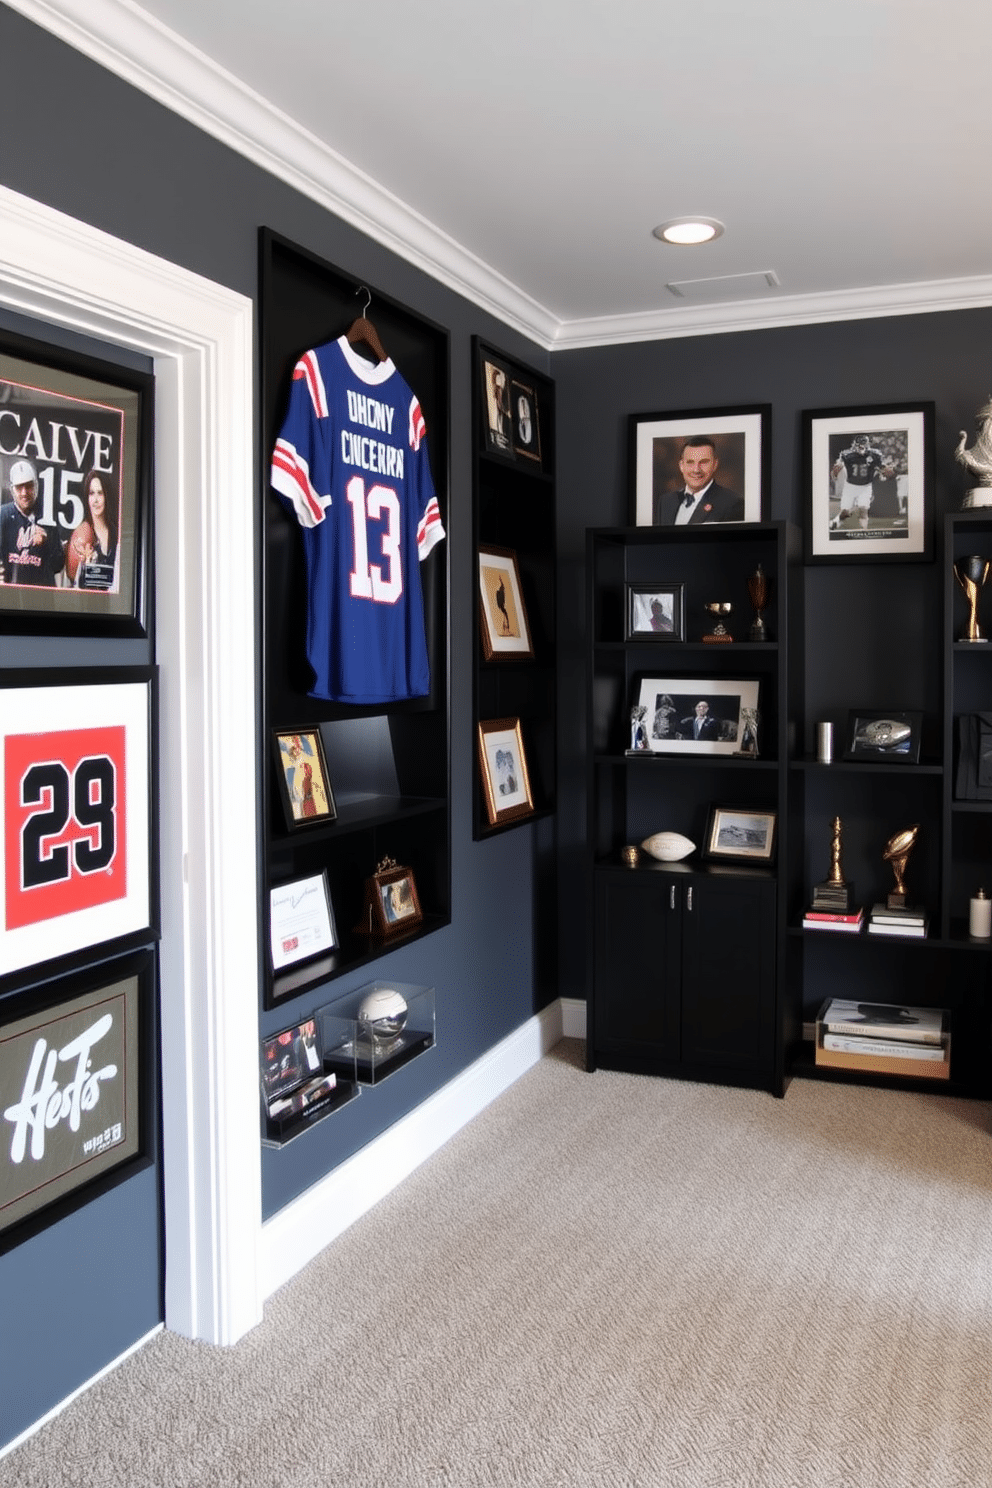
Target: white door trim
(200,336)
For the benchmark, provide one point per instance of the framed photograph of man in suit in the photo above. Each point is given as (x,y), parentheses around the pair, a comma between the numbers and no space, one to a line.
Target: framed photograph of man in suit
(701,467)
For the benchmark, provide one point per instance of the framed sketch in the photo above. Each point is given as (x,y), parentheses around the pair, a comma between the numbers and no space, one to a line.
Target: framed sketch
(74,1059)
(304,784)
(392,905)
(526,421)
(505,633)
(301,921)
(655,612)
(869,483)
(695,715)
(495,380)
(890,736)
(74,477)
(701,467)
(75,811)
(503,763)
(737,834)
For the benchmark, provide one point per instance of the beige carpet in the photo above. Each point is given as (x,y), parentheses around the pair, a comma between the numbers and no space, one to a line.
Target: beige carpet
(613,1282)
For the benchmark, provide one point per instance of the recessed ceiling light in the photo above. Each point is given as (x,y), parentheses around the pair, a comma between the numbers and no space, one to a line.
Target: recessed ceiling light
(688,230)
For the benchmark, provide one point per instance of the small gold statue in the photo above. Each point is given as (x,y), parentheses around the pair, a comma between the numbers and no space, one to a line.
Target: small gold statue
(971,573)
(836,892)
(897,851)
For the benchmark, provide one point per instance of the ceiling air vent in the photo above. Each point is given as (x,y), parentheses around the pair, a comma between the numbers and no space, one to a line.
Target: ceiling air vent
(725,286)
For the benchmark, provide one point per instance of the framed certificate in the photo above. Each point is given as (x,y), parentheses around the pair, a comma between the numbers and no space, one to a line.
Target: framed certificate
(301,921)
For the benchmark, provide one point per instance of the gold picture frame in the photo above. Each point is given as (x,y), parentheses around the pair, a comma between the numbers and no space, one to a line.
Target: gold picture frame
(504,628)
(505,778)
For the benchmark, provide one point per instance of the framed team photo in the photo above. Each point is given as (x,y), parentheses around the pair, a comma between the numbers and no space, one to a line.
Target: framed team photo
(503,762)
(701,467)
(304,784)
(81,1045)
(75,812)
(869,483)
(74,477)
(505,633)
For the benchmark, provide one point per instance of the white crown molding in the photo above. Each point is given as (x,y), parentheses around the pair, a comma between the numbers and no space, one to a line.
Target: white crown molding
(122,37)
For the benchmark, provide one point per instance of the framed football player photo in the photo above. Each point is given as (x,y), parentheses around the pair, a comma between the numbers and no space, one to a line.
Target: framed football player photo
(75,813)
(301,773)
(869,483)
(74,476)
(505,633)
(703,467)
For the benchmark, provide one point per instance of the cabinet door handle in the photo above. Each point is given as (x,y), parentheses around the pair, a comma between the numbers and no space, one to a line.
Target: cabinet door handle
(688,900)
(671,896)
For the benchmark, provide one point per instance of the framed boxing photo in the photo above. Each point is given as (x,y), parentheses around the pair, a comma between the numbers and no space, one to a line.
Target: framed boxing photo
(869,483)
(76,814)
(75,446)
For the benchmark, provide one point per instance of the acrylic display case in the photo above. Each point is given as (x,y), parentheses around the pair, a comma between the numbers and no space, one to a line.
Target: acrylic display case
(377,1029)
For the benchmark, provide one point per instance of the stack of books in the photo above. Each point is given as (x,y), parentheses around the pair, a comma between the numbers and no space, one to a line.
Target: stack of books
(826,919)
(883,1037)
(885,921)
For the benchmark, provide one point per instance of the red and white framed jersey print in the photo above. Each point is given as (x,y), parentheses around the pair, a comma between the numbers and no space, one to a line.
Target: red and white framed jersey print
(74,816)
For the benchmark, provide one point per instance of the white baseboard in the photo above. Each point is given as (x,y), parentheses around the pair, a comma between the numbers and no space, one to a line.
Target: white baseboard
(58,1409)
(304,1227)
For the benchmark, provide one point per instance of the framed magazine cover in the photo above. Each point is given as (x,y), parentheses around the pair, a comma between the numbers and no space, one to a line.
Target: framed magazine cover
(75,444)
(76,823)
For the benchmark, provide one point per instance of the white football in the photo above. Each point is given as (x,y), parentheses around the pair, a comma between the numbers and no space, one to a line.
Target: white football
(668,847)
(385,1008)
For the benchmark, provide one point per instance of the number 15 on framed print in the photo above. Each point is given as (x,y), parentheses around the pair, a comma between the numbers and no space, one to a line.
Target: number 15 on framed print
(75,811)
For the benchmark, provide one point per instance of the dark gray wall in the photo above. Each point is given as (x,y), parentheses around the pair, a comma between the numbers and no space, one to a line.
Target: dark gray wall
(86,143)
(939,357)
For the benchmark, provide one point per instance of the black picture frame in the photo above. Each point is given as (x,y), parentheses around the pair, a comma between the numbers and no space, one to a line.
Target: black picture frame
(889,516)
(526,412)
(741,834)
(110,1008)
(495,380)
(79,432)
(880,735)
(739,465)
(307,802)
(654,612)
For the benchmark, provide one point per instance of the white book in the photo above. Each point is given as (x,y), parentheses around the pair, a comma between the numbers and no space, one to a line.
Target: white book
(883,1020)
(886,1048)
(887,927)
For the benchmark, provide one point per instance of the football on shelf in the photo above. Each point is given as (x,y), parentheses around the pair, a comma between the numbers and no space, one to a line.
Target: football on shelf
(84,537)
(668,847)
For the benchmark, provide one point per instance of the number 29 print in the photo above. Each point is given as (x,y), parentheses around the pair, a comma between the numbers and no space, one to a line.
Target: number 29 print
(74,817)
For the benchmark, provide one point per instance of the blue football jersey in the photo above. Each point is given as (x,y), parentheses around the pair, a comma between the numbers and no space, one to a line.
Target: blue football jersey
(351,463)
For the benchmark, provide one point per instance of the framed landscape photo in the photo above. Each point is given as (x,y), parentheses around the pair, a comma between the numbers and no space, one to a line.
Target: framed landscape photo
(74,478)
(701,467)
(75,1091)
(503,763)
(696,715)
(869,483)
(75,812)
(505,632)
(655,612)
(737,834)
(304,784)
(526,421)
(890,736)
(301,921)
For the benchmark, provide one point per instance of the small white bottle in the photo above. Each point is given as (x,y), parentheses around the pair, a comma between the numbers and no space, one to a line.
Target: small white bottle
(980,916)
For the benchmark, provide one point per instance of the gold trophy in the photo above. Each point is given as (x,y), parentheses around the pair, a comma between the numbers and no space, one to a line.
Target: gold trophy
(971,573)
(897,851)
(719,632)
(835,893)
(757,587)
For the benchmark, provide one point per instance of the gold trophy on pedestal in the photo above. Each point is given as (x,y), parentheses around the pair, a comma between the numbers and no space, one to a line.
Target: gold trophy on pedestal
(835,892)
(757,588)
(719,633)
(971,573)
(897,851)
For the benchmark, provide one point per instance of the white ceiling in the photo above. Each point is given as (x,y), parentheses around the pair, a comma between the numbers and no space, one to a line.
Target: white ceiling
(524,151)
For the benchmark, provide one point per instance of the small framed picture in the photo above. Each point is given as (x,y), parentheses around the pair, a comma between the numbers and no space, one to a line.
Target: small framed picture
(869,479)
(74,478)
(655,612)
(505,633)
(288,1059)
(737,834)
(696,715)
(495,379)
(892,736)
(301,921)
(526,421)
(503,763)
(701,467)
(304,784)
(392,905)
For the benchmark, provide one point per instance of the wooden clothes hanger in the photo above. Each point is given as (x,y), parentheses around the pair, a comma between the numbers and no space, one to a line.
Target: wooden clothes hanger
(362,330)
